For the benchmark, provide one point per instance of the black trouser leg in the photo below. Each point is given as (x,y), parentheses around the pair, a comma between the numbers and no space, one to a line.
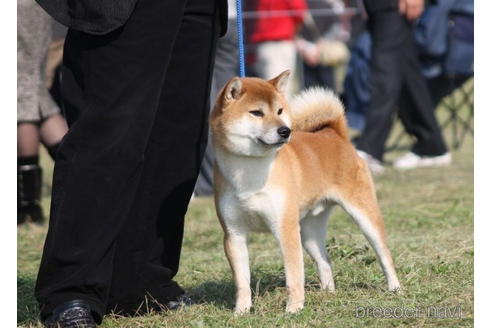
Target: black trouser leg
(112,90)
(148,248)
(394,74)
(416,108)
(388,30)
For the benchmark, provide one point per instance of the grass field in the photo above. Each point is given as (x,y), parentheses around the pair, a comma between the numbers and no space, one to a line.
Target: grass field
(429,219)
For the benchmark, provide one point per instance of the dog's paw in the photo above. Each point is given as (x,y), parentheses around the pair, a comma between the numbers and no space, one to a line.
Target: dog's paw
(396,288)
(240,312)
(294,307)
(329,286)
(243,308)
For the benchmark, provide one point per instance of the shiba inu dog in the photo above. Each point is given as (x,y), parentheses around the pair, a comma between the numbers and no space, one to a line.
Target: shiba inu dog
(280,167)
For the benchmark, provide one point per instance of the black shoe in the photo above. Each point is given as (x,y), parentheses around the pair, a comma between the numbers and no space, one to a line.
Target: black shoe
(71,314)
(180,302)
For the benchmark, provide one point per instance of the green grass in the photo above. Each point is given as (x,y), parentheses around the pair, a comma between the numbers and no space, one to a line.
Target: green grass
(429,219)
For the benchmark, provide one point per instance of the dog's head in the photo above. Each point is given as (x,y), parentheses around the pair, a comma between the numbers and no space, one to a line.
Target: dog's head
(251,116)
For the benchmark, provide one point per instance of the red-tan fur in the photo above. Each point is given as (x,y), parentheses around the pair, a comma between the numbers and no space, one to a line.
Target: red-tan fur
(288,188)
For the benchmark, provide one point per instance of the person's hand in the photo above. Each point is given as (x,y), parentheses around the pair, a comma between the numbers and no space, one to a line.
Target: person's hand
(311,56)
(309,51)
(411,9)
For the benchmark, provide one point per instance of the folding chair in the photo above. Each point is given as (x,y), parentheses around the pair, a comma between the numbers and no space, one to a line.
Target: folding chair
(459,108)
(453,99)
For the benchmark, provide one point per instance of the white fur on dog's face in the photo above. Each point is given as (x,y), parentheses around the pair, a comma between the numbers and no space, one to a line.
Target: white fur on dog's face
(252,135)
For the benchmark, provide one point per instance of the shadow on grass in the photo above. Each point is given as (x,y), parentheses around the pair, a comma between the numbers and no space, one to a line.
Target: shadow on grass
(27,306)
(221,293)
(218,293)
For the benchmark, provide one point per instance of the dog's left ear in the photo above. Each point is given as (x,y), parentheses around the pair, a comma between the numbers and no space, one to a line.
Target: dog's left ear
(280,82)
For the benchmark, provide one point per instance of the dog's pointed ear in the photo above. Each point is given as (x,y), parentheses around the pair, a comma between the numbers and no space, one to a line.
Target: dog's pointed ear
(280,82)
(233,89)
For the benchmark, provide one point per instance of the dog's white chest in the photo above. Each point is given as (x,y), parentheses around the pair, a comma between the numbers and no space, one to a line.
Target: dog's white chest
(258,208)
(259,204)
(260,211)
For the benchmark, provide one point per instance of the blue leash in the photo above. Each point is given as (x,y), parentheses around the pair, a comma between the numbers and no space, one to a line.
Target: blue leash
(240,40)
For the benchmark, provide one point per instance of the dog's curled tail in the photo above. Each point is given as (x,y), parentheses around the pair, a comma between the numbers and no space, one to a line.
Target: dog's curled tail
(316,108)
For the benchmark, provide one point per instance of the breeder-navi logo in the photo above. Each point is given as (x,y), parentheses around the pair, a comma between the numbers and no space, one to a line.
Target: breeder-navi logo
(437,312)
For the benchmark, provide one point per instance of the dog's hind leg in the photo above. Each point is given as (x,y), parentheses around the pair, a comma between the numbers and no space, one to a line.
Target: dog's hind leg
(313,236)
(364,209)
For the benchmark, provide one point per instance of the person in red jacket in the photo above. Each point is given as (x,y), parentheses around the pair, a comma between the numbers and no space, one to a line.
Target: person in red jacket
(273,35)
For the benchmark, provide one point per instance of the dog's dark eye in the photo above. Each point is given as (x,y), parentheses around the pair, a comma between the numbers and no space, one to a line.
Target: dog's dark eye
(258,113)
(280,110)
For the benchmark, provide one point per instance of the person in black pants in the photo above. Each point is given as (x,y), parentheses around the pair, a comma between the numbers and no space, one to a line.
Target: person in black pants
(398,82)
(136,97)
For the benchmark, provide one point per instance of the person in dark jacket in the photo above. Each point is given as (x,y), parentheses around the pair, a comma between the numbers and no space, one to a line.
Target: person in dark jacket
(135,88)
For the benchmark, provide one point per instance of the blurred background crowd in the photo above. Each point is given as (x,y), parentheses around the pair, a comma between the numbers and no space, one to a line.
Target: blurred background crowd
(382,59)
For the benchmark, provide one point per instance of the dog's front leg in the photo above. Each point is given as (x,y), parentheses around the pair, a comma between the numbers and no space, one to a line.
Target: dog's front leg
(236,249)
(289,238)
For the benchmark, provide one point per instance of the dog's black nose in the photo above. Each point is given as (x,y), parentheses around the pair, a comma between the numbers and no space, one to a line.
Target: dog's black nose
(284,132)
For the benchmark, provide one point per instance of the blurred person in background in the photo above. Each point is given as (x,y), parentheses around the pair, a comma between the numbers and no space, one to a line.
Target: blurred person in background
(226,67)
(397,82)
(444,38)
(38,117)
(273,35)
(356,93)
(357,84)
(321,43)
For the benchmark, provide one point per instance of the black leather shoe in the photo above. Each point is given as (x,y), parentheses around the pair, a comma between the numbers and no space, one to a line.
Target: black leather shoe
(71,314)
(180,302)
